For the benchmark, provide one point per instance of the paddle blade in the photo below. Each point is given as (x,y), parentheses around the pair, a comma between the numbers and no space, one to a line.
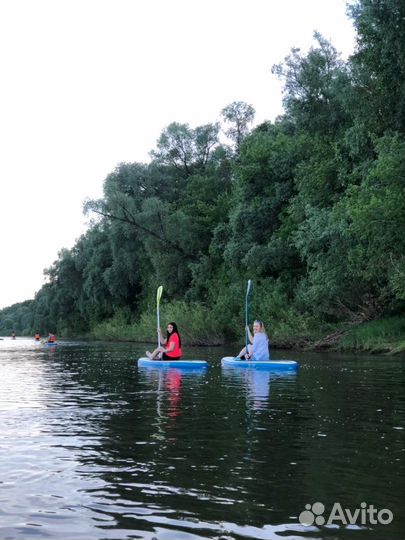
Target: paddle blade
(159,294)
(158,297)
(249,287)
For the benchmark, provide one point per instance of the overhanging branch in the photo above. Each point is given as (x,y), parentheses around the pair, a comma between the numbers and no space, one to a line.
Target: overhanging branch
(129,219)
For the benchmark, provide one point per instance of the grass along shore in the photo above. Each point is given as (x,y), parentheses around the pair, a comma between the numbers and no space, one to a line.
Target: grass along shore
(199,328)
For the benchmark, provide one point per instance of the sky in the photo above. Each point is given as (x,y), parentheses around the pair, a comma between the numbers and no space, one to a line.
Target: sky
(89,84)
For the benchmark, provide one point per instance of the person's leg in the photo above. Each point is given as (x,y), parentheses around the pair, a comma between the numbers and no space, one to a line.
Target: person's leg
(242,353)
(153,355)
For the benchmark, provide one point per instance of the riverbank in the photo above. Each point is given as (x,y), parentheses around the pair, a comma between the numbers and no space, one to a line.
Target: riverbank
(386,336)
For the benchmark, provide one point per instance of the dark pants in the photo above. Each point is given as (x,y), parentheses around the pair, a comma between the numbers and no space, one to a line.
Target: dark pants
(165,357)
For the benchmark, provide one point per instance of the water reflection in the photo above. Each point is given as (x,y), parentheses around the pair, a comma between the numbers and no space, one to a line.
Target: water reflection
(168,385)
(173,385)
(256,384)
(258,389)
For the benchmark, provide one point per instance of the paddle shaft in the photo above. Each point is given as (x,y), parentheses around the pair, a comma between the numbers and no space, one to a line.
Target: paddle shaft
(249,286)
(158,324)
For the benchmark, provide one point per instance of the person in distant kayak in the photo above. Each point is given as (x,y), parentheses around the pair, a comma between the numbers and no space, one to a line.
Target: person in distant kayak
(51,338)
(37,337)
(13,335)
(258,348)
(171,345)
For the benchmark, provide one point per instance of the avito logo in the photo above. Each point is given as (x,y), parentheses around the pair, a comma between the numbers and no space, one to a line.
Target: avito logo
(365,515)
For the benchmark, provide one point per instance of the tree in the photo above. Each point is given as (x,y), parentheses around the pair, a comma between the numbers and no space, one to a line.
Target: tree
(239,115)
(314,88)
(184,148)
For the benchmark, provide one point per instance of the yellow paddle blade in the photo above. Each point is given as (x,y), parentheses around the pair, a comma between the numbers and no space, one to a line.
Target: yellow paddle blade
(159,294)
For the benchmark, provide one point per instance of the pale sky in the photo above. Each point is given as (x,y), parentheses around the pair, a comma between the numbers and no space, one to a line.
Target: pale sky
(87,84)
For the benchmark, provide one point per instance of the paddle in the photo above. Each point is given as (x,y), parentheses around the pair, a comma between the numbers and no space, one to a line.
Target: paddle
(249,288)
(158,296)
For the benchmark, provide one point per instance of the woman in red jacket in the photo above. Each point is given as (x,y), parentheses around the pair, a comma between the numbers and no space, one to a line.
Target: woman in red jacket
(171,349)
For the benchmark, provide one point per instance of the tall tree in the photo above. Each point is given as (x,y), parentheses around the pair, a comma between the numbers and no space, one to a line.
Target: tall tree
(314,88)
(239,115)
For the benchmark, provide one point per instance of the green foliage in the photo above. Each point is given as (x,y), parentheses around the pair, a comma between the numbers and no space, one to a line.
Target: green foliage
(17,317)
(311,208)
(118,327)
(263,187)
(378,64)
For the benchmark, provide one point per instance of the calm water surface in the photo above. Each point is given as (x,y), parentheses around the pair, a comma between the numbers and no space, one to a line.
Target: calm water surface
(91,447)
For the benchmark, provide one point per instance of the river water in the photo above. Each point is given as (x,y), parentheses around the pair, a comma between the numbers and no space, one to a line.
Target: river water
(91,447)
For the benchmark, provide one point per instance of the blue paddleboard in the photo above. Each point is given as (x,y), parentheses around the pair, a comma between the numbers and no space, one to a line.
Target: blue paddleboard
(275,365)
(145,362)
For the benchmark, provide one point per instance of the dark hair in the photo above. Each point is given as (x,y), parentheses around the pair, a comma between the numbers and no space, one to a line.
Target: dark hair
(175,331)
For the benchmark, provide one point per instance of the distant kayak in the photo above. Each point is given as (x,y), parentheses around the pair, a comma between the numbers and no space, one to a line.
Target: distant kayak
(51,343)
(196,364)
(276,365)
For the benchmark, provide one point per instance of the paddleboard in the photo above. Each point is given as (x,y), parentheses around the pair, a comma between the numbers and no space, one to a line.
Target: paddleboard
(276,365)
(145,362)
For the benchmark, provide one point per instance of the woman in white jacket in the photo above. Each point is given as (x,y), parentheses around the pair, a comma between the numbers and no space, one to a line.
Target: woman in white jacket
(258,349)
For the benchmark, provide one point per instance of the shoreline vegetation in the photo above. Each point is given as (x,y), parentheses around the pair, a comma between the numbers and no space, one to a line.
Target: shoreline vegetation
(310,207)
(379,337)
(386,336)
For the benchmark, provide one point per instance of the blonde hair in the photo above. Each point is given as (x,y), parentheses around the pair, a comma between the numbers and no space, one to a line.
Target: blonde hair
(261,324)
